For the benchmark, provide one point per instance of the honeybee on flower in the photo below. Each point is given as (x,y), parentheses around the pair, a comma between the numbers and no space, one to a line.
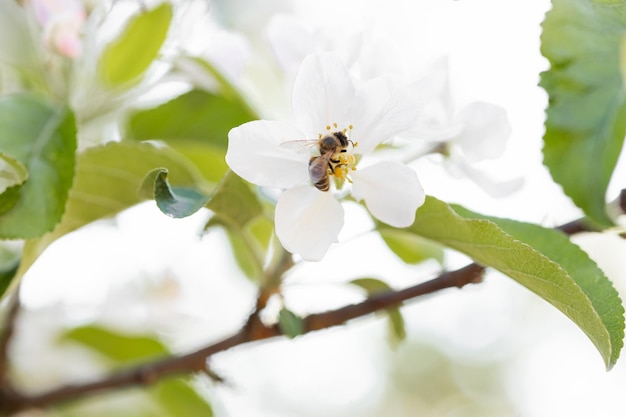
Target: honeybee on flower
(328,101)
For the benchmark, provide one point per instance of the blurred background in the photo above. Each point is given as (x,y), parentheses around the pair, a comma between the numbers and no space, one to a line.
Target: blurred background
(492,349)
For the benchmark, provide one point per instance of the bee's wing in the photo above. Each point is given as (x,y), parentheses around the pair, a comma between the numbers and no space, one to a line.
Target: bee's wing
(318,166)
(300,146)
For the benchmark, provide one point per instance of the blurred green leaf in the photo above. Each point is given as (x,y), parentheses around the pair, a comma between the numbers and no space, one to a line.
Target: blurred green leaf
(247,252)
(572,292)
(410,247)
(10,257)
(246,256)
(371,285)
(41,138)
(175,397)
(397,327)
(234,202)
(237,209)
(108,179)
(290,324)
(196,124)
(205,74)
(587,275)
(208,159)
(123,349)
(586,116)
(13,174)
(262,229)
(126,58)
(196,115)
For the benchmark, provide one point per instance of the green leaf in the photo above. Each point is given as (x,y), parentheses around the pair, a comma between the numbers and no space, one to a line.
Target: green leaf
(196,124)
(237,209)
(397,328)
(40,138)
(9,262)
(203,73)
(123,349)
(410,247)
(262,229)
(586,274)
(248,259)
(234,202)
(178,398)
(107,181)
(126,58)
(208,159)
(586,116)
(584,296)
(13,174)
(176,202)
(290,324)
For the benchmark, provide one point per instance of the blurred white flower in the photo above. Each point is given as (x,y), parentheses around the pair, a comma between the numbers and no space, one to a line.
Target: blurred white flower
(203,45)
(366,55)
(61,22)
(478,132)
(327,101)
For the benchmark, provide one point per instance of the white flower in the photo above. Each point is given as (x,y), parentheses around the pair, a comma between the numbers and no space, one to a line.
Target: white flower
(365,54)
(327,101)
(476,133)
(62,22)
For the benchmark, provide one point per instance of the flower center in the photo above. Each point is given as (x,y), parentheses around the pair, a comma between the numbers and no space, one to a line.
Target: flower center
(343,160)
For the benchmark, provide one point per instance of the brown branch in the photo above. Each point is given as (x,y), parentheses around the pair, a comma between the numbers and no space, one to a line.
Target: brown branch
(254,330)
(470,274)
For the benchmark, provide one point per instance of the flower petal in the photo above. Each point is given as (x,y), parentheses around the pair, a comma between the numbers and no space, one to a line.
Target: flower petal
(391,191)
(308,221)
(495,187)
(379,55)
(485,132)
(322,93)
(255,154)
(380,110)
(290,41)
(435,101)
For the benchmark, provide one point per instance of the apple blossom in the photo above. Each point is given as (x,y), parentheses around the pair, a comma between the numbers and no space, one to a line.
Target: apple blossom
(477,132)
(62,22)
(364,53)
(327,100)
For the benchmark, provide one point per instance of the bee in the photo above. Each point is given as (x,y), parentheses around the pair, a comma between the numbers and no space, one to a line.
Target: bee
(320,167)
(328,162)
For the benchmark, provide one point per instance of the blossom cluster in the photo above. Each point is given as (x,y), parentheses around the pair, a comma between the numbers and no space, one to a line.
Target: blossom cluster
(350,94)
(344,109)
